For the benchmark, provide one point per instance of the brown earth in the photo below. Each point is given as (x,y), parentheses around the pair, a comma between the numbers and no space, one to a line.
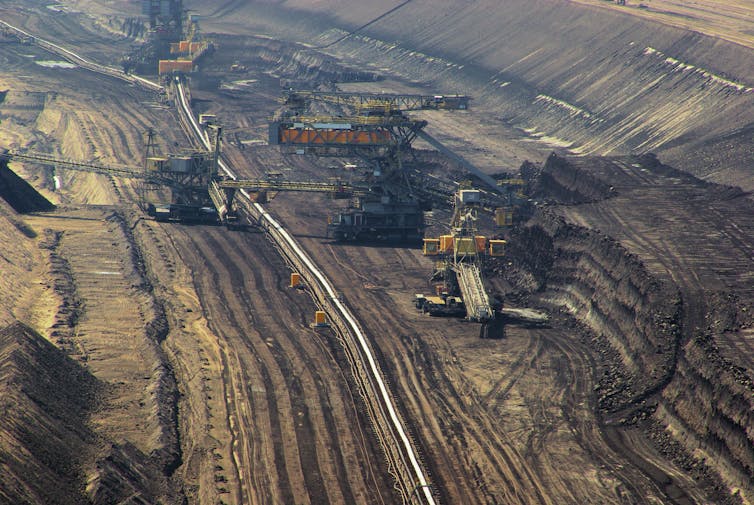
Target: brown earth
(194,362)
(675,369)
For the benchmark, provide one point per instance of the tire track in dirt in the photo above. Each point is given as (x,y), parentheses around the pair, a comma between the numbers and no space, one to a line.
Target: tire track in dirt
(431,394)
(318,455)
(655,226)
(297,350)
(250,365)
(578,403)
(501,388)
(204,286)
(444,402)
(287,364)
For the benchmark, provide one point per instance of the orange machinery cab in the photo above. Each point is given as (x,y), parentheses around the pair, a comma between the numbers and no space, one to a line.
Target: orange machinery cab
(446,244)
(481,243)
(168,66)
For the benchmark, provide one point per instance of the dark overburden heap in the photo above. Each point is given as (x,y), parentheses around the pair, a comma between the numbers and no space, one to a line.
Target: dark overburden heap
(45,400)
(20,194)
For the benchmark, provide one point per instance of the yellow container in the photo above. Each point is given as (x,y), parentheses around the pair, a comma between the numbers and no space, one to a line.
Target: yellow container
(504,216)
(295,279)
(319,318)
(497,247)
(431,246)
(465,245)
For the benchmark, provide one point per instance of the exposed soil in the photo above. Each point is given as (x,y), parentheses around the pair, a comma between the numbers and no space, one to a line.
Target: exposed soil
(594,79)
(675,352)
(175,364)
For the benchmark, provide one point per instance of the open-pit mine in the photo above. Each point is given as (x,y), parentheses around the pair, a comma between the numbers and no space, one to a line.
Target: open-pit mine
(387,252)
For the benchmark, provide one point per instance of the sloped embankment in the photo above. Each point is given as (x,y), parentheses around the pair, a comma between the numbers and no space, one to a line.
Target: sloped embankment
(48,451)
(635,317)
(565,183)
(46,400)
(293,65)
(17,260)
(658,367)
(708,410)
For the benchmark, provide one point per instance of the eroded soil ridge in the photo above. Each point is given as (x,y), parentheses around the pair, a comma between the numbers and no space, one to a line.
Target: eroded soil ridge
(46,402)
(663,342)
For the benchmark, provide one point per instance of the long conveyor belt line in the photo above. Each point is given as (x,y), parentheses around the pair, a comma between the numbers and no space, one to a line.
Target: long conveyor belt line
(403,460)
(257,185)
(83,166)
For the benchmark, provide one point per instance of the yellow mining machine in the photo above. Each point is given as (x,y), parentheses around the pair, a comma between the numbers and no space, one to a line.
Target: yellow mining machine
(375,129)
(459,256)
(459,260)
(174,41)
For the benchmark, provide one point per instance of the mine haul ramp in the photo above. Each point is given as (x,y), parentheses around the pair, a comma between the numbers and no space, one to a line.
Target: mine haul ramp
(473,293)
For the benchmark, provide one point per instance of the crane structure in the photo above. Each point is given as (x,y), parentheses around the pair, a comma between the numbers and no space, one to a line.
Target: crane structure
(391,209)
(300,100)
(187,175)
(374,128)
(113,170)
(388,204)
(198,192)
(222,192)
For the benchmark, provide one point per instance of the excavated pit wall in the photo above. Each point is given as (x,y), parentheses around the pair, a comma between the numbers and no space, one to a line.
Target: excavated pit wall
(634,317)
(295,66)
(564,182)
(709,408)
(696,404)
(17,252)
(595,80)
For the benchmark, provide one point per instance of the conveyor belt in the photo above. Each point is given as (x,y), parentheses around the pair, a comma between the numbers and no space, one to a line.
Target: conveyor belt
(258,185)
(474,295)
(489,181)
